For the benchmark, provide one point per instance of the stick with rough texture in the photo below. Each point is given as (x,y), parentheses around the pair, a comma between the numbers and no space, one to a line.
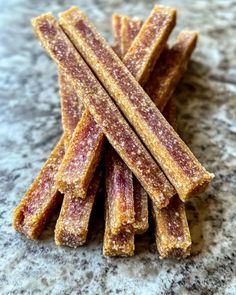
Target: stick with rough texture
(116,28)
(81,157)
(172,232)
(116,245)
(169,112)
(74,178)
(171,226)
(170,68)
(71,107)
(119,191)
(72,224)
(104,110)
(128,31)
(182,168)
(41,199)
(140,208)
(149,43)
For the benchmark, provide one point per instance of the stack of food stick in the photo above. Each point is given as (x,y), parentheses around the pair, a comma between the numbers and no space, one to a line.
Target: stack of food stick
(118,101)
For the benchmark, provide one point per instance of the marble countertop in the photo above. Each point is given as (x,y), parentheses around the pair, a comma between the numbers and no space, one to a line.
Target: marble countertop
(30,126)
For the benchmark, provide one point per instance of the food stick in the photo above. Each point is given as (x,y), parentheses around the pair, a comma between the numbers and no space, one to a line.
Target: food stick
(41,199)
(128,31)
(169,112)
(171,226)
(116,245)
(71,107)
(81,157)
(170,68)
(182,168)
(140,208)
(116,28)
(72,224)
(171,230)
(119,191)
(74,180)
(104,111)
(149,43)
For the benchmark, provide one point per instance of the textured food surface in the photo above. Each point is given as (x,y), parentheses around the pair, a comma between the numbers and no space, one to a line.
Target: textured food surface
(172,231)
(149,43)
(140,207)
(129,29)
(104,111)
(41,198)
(170,68)
(119,192)
(31,127)
(81,157)
(183,169)
(116,245)
(73,222)
(71,107)
(116,29)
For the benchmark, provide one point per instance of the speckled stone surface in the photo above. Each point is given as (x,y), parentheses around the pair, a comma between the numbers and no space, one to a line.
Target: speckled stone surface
(30,126)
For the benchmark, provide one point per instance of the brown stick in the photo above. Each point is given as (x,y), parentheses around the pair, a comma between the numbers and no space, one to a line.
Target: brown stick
(182,168)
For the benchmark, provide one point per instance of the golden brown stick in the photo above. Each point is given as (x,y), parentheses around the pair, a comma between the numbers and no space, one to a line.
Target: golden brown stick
(119,180)
(119,191)
(150,42)
(72,224)
(188,176)
(68,175)
(170,68)
(81,157)
(140,208)
(116,28)
(172,232)
(116,245)
(71,107)
(95,98)
(169,112)
(38,203)
(128,31)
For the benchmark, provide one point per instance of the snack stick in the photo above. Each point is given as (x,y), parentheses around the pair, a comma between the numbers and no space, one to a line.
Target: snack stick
(182,168)
(119,191)
(128,31)
(72,224)
(41,199)
(104,110)
(170,68)
(74,176)
(140,208)
(71,107)
(169,112)
(119,223)
(116,245)
(81,157)
(171,229)
(171,226)
(116,28)
(118,178)
(149,43)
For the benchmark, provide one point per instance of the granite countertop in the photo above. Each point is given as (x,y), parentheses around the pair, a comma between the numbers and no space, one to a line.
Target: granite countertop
(30,127)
